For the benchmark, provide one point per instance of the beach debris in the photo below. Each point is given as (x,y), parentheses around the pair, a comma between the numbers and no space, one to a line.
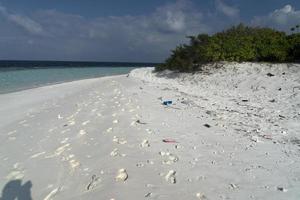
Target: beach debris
(233,186)
(201,196)
(170,177)
(282,189)
(272,101)
(270,74)
(59,117)
(245,100)
(169,141)
(207,125)
(166,103)
(115,121)
(281,116)
(145,143)
(139,122)
(122,175)
(149,194)
(95,180)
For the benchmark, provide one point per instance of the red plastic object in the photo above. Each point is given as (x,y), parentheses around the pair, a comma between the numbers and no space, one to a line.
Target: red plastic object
(169,141)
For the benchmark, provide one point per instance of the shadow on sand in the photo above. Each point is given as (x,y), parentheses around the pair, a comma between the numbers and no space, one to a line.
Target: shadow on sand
(14,190)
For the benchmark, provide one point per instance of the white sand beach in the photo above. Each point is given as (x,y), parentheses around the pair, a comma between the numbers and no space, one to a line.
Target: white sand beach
(228,134)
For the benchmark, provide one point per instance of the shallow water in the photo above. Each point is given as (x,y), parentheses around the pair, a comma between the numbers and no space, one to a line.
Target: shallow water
(16,80)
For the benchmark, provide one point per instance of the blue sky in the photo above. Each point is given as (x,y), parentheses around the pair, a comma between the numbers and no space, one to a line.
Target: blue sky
(119,30)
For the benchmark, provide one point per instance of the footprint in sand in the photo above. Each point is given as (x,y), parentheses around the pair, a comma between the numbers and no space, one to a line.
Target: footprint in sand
(82,132)
(52,129)
(52,194)
(168,158)
(121,175)
(200,196)
(139,165)
(71,123)
(61,149)
(85,123)
(133,123)
(12,132)
(65,140)
(37,154)
(64,131)
(74,164)
(145,143)
(94,110)
(93,183)
(119,140)
(171,176)
(116,152)
(109,130)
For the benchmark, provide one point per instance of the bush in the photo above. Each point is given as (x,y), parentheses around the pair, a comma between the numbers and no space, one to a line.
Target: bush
(237,44)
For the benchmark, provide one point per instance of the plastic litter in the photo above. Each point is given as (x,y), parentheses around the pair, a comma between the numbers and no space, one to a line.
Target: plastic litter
(169,141)
(167,103)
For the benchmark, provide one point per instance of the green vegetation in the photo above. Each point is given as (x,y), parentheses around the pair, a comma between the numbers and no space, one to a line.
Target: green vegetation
(237,44)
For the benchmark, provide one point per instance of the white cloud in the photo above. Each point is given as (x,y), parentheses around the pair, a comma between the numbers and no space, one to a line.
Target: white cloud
(22,21)
(283,18)
(227,10)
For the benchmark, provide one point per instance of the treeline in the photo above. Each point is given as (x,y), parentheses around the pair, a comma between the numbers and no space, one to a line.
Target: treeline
(237,44)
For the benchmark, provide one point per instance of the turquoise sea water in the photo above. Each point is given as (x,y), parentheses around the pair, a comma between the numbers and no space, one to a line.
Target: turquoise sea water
(16,79)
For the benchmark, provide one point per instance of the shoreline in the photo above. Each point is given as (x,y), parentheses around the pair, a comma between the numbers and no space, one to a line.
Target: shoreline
(228,135)
(57,83)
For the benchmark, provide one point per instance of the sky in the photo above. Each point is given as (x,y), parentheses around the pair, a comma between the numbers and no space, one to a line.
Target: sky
(125,31)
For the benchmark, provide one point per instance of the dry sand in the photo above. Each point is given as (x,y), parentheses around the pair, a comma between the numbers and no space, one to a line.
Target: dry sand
(232,134)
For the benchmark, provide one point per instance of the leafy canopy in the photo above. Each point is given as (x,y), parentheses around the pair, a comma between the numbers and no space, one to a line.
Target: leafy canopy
(237,44)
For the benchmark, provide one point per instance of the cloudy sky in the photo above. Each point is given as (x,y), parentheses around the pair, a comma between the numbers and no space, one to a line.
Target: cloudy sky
(125,30)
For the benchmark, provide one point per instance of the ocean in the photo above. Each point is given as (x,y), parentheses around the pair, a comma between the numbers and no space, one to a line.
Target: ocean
(21,75)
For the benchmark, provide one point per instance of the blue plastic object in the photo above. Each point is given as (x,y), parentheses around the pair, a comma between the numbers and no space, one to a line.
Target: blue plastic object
(167,103)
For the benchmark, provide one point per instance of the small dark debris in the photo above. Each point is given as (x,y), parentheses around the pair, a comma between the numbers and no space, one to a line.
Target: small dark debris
(270,74)
(283,73)
(208,112)
(207,125)
(281,116)
(141,88)
(279,89)
(295,141)
(245,100)
(281,189)
(65,125)
(272,101)
(139,122)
